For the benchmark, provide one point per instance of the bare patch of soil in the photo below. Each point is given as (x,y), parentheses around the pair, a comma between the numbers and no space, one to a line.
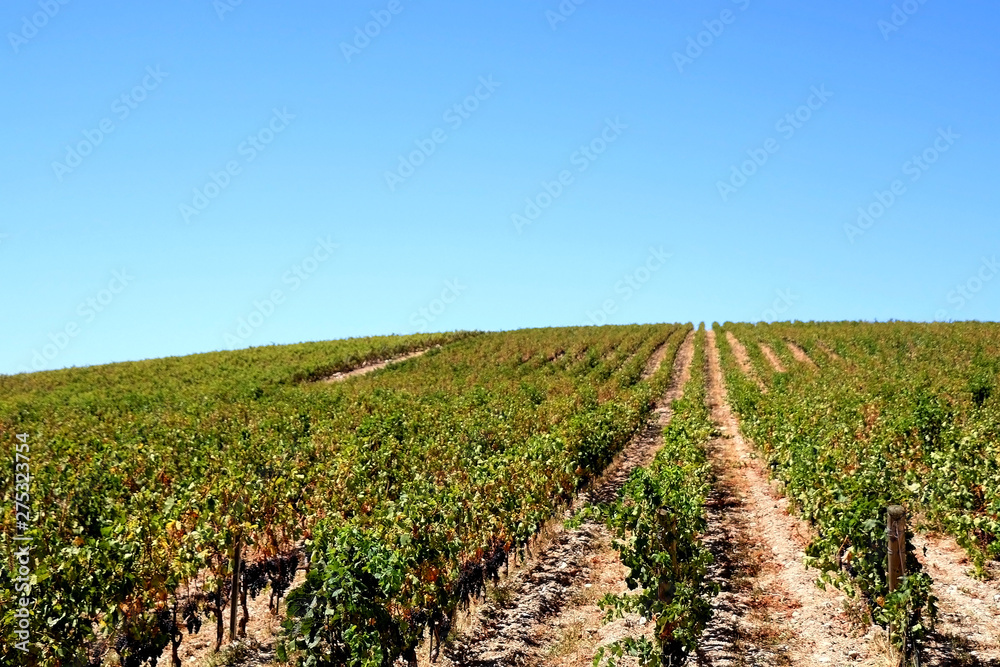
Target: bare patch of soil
(654,362)
(799,354)
(372,366)
(574,635)
(828,350)
(772,358)
(770,611)
(545,612)
(552,617)
(742,358)
(968,627)
(262,631)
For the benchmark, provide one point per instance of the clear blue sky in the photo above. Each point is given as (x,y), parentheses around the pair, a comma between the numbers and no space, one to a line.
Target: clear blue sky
(309,129)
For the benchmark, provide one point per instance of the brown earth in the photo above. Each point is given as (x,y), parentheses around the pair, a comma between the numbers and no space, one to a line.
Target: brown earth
(654,361)
(772,358)
(262,630)
(743,359)
(968,628)
(372,366)
(799,354)
(828,350)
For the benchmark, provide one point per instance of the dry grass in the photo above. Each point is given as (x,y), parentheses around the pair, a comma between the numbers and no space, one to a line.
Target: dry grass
(243,652)
(502,594)
(585,595)
(763,635)
(885,654)
(858,614)
(569,641)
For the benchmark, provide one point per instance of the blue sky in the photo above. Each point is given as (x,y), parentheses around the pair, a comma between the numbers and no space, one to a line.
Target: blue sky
(196,175)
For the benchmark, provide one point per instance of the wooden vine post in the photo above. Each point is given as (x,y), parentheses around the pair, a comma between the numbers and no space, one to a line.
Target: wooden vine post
(896,527)
(896,530)
(235,591)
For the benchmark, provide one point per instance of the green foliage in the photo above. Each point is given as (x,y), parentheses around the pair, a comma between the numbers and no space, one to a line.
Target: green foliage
(645,651)
(339,616)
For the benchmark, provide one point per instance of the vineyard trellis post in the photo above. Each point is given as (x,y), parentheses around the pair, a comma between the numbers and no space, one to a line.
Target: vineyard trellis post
(896,528)
(235,591)
(896,533)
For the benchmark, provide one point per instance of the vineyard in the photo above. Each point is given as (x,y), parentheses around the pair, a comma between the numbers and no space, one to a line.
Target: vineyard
(383,493)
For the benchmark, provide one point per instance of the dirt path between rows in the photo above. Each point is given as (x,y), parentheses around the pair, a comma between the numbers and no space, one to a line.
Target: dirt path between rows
(372,366)
(769,611)
(262,631)
(742,359)
(800,354)
(545,612)
(772,358)
(828,350)
(968,626)
(654,361)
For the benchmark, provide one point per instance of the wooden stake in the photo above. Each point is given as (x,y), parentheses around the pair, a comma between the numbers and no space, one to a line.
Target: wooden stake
(896,528)
(235,592)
